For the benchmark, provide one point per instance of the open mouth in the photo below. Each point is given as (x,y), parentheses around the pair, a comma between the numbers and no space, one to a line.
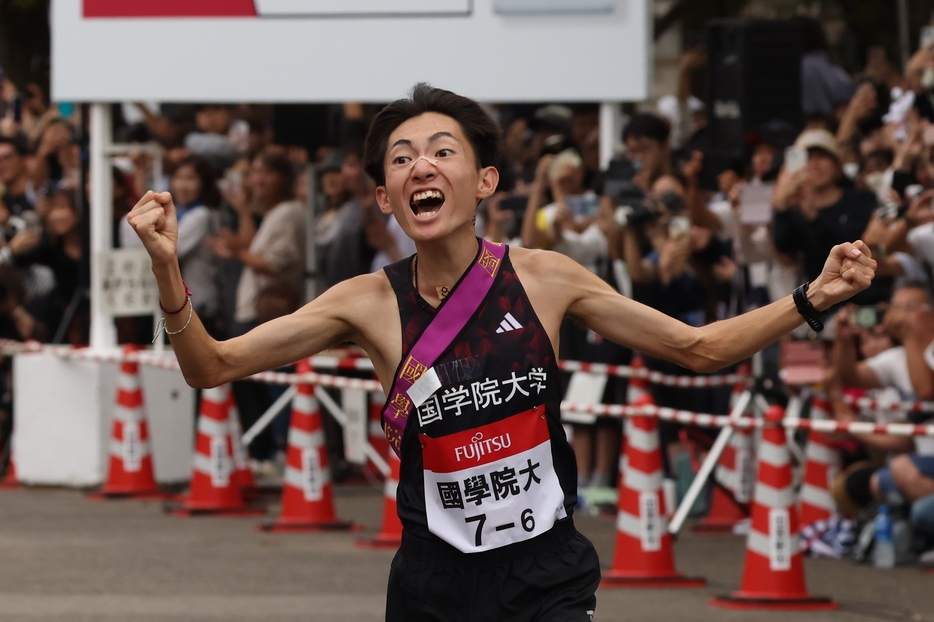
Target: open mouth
(426,203)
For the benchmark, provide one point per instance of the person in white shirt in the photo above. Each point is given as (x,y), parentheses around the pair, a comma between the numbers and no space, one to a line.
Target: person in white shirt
(910,319)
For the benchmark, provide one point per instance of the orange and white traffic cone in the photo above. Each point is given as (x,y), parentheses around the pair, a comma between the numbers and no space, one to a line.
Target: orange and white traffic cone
(307,495)
(375,433)
(390,534)
(130,472)
(821,468)
(773,577)
(214,490)
(643,556)
(728,504)
(242,475)
(638,386)
(10,480)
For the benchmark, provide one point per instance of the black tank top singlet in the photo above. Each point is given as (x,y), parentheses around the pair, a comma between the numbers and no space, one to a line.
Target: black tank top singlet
(485,462)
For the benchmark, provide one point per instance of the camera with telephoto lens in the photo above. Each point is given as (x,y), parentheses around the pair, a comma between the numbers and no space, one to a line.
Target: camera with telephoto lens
(635,213)
(634,208)
(889,209)
(555,144)
(16,224)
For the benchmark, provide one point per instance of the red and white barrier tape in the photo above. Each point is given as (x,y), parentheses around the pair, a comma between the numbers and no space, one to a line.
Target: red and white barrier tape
(321,380)
(722,421)
(667,414)
(864,404)
(162,362)
(609,410)
(621,371)
(860,427)
(655,377)
(325,362)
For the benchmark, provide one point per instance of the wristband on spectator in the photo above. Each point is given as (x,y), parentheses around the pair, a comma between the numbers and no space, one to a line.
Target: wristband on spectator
(6,256)
(811,315)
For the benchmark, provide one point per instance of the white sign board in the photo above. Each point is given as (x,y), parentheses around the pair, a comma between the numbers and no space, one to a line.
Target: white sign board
(349,50)
(125,284)
(355,404)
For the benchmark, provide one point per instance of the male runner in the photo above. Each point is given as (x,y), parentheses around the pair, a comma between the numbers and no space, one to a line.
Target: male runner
(463,337)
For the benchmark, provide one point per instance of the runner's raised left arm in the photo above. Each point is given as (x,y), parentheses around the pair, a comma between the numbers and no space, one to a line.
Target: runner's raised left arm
(583,296)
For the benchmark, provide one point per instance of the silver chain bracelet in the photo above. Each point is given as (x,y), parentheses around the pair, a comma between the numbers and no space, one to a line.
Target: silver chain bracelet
(160,326)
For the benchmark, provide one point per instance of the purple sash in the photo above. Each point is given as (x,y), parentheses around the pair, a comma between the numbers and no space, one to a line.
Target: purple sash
(447,323)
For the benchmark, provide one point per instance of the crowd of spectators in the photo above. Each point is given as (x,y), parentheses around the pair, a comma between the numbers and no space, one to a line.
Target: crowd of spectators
(699,237)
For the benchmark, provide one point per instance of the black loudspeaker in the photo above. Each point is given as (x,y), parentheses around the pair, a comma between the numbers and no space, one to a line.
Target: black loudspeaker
(755,78)
(305,125)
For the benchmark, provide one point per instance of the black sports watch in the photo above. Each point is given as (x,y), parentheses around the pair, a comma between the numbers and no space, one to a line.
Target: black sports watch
(811,315)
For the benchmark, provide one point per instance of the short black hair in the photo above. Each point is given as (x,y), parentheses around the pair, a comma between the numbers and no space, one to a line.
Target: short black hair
(484,133)
(18,142)
(924,286)
(277,162)
(647,125)
(207,176)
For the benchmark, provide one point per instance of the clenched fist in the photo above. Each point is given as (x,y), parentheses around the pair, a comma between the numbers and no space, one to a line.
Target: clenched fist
(849,269)
(153,218)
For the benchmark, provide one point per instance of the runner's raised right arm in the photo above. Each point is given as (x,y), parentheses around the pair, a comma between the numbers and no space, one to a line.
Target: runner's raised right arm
(328,320)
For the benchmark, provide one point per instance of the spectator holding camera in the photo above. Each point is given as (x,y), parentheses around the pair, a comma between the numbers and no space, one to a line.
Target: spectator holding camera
(813,211)
(646,139)
(14,175)
(568,224)
(56,245)
(682,263)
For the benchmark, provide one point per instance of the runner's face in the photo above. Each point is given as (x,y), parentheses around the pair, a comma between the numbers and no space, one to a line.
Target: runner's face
(432,182)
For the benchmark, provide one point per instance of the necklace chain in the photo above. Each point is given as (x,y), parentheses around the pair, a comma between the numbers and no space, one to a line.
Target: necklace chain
(418,295)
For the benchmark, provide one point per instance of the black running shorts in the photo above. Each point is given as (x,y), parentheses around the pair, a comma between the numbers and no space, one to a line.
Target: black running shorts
(551,578)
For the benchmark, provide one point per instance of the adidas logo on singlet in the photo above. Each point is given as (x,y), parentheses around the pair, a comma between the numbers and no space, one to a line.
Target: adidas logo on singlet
(509,323)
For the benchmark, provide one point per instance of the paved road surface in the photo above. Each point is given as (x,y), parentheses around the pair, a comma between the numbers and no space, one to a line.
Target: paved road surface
(64,558)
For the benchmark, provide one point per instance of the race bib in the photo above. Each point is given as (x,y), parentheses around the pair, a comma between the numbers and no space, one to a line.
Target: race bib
(493,485)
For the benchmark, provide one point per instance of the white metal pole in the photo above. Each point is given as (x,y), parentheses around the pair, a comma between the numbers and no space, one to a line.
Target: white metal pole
(268,416)
(609,132)
(793,411)
(311,251)
(328,402)
(103,331)
(707,467)
(158,186)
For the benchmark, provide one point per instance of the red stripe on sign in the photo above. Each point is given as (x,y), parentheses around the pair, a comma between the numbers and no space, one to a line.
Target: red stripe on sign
(169,8)
(486,444)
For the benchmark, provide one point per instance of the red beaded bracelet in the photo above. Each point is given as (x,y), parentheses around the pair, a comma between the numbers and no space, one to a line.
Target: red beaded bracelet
(184,304)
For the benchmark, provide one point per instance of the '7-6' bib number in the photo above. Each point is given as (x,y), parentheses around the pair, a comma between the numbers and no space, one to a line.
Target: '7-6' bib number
(493,485)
